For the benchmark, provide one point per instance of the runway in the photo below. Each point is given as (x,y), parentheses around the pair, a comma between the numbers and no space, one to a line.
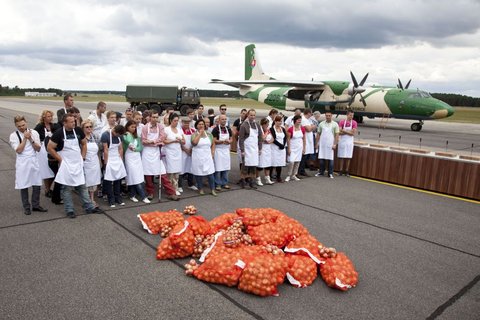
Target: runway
(436,135)
(417,254)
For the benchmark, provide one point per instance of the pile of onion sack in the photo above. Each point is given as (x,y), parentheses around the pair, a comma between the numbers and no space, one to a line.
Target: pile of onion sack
(252,249)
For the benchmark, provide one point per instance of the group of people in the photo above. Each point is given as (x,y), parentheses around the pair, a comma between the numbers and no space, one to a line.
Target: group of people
(108,150)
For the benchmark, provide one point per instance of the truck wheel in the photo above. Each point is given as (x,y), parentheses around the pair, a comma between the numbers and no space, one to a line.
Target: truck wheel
(141,108)
(156,107)
(183,109)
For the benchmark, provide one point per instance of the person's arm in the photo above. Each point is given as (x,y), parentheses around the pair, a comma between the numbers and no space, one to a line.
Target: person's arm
(196,137)
(336,132)
(139,145)
(161,135)
(317,138)
(289,136)
(51,150)
(16,144)
(120,150)
(212,147)
(145,140)
(304,140)
(241,137)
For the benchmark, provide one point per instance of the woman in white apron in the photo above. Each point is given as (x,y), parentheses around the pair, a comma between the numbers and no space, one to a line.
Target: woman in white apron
(296,147)
(174,139)
(26,143)
(45,129)
(222,138)
(279,152)
(186,173)
(114,167)
(202,157)
(132,146)
(345,143)
(151,162)
(326,141)
(265,158)
(91,165)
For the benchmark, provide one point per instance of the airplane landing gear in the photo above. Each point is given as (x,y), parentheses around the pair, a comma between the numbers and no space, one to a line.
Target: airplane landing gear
(417,126)
(359,119)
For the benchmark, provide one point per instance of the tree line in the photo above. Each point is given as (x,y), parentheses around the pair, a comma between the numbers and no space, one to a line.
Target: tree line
(450,98)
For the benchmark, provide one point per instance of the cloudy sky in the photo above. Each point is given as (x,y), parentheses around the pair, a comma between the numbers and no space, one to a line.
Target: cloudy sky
(107,44)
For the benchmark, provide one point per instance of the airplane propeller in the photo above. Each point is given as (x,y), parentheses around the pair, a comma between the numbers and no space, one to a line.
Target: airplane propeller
(357,88)
(400,85)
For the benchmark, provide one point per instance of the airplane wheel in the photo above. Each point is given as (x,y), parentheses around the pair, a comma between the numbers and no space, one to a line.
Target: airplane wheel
(416,126)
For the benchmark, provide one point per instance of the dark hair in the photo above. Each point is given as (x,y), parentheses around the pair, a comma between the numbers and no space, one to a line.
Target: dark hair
(307,111)
(128,124)
(66,116)
(211,111)
(172,116)
(327,111)
(295,118)
(222,105)
(73,110)
(101,104)
(349,111)
(278,118)
(243,110)
(119,129)
(169,108)
(68,95)
(272,112)
(190,110)
(198,121)
(263,121)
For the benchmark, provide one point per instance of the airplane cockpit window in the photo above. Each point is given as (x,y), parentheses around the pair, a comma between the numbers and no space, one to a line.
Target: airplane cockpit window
(415,95)
(425,94)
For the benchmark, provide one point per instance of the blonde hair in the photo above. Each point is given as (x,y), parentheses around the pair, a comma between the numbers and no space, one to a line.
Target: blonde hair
(43,115)
(85,122)
(18,118)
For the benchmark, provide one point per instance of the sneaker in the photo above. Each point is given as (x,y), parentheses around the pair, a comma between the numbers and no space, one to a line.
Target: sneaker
(95,210)
(178,193)
(340,174)
(194,188)
(180,190)
(122,203)
(134,199)
(318,174)
(347,175)
(214,193)
(287,179)
(295,178)
(71,215)
(218,188)
(112,206)
(150,197)
(146,200)
(201,192)
(330,176)
(226,186)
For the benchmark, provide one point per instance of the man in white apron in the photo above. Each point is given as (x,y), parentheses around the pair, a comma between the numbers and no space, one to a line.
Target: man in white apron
(250,140)
(327,140)
(309,154)
(26,143)
(69,147)
(222,137)
(348,129)
(114,167)
(153,134)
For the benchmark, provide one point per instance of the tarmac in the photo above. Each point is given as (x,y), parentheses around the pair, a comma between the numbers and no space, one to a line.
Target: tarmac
(417,254)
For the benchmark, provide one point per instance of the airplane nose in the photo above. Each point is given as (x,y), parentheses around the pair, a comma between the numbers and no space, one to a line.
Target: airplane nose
(450,110)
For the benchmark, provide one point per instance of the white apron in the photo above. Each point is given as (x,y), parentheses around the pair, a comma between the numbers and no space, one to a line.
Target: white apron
(222,152)
(152,164)
(27,169)
(265,159)
(133,166)
(325,150)
(187,159)
(278,156)
(202,162)
(115,170)
(296,146)
(309,143)
(345,143)
(173,151)
(251,148)
(42,156)
(91,165)
(70,172)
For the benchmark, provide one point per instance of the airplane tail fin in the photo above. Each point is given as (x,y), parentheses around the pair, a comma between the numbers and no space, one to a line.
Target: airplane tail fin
(253,69)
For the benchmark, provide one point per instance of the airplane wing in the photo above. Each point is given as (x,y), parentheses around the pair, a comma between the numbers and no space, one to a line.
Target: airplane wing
(303,84)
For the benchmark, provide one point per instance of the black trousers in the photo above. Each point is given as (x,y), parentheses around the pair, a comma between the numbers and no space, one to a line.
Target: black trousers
(57,188)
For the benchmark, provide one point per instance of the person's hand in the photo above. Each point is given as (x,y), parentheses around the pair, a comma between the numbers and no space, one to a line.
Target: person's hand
(334,146)
(27,135)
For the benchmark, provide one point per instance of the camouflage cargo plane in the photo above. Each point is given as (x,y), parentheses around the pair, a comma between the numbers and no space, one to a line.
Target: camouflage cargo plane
(338,96)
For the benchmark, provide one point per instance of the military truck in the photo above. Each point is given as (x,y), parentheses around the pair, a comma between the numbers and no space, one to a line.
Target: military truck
(159,98)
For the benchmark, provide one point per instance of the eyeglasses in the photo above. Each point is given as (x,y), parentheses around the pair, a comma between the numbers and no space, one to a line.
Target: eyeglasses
(223,109)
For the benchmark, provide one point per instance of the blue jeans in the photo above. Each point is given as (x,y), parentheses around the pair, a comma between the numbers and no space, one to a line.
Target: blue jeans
(137,189)
(211,181)
(221,178)
(84,197)
(113,191)
(322,166)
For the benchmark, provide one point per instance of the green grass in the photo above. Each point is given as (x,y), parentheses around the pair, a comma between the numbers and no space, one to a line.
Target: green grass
(87,97)
(465,115)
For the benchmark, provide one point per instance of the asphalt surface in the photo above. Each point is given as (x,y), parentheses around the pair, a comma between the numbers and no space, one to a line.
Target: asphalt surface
(417,254)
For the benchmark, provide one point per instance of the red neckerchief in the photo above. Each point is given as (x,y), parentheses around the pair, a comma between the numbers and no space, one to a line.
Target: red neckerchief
(188,131)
